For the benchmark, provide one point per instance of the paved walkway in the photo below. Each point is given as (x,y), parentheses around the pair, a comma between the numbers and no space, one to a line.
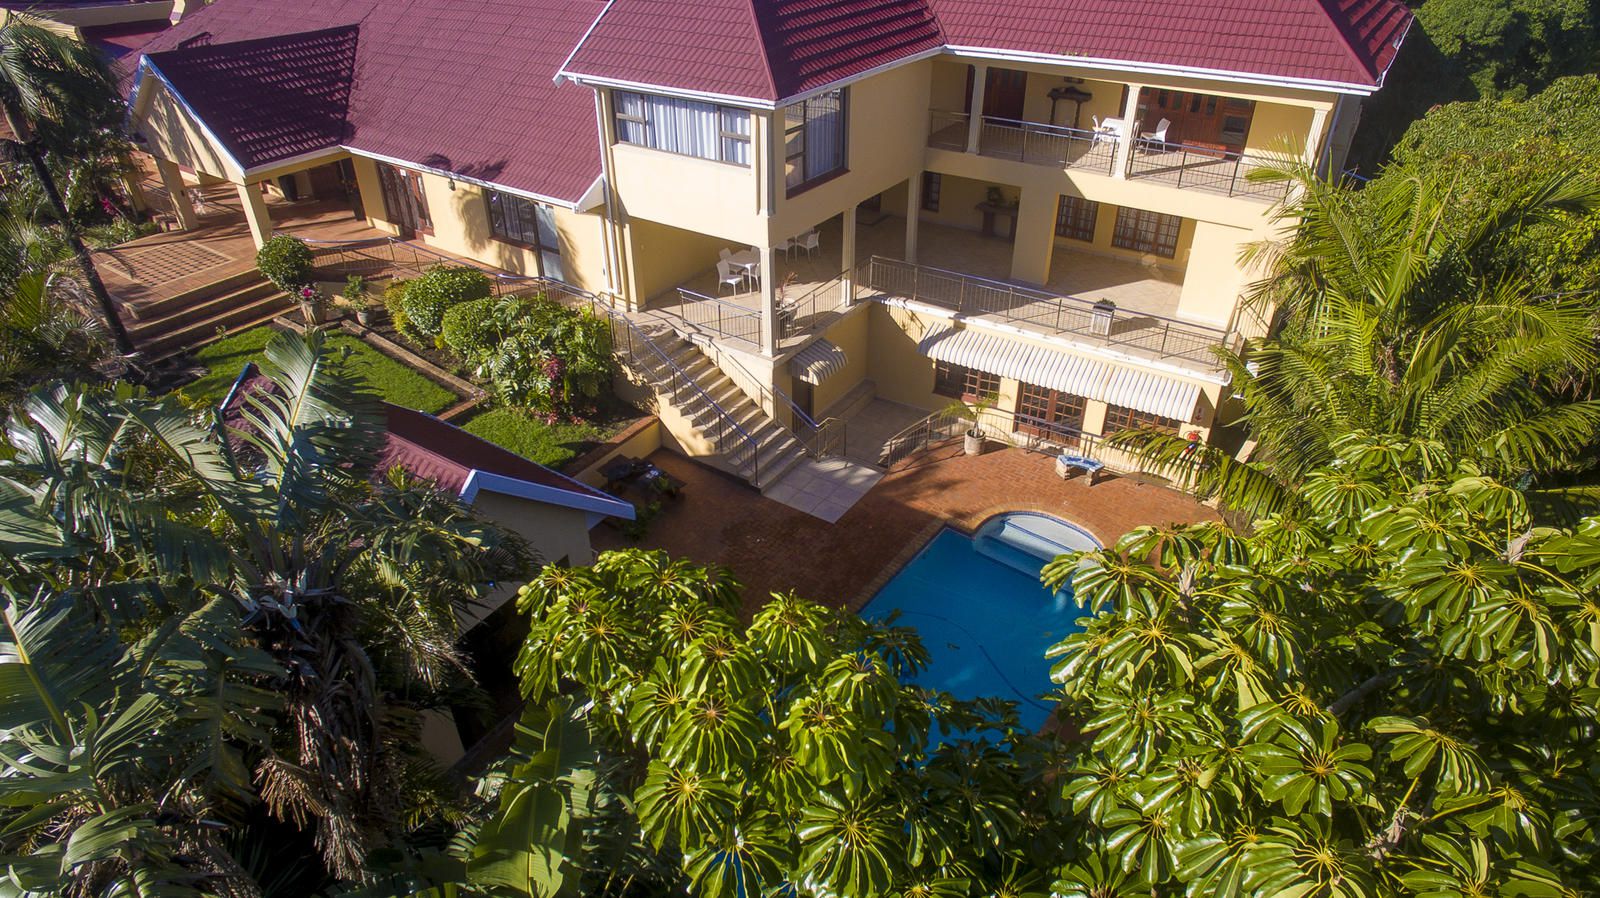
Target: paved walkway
(773,547)
(824,489)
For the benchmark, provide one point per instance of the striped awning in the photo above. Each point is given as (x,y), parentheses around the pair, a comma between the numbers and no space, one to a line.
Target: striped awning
(1063,372)
(817,362)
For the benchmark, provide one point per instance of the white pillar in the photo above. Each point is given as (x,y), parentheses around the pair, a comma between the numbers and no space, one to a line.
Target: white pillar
(847,256)
(1130,129)
(255,213)
(980,78)
(172,183)
(1319,123)
(769,302)
(913,215)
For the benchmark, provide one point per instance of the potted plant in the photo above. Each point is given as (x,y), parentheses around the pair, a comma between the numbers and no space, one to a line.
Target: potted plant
(971,412)
(313,305)
(355,296)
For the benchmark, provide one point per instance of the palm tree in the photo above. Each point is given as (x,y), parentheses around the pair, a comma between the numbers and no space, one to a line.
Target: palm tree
(1390,322)
(45,76)
(42,337)
(349,586)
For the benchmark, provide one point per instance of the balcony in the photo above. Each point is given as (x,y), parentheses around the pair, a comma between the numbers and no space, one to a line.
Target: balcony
(1212,168)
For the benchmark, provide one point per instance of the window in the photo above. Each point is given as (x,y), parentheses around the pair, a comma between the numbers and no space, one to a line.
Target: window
(814,139)
(1122,418)
(515,219)
(961,382)
(1146,232)
(1046,413)
(1076,217)
(686,127)
(932,184)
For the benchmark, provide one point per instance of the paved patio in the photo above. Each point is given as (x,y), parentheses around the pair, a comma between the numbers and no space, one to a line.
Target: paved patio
(773,547)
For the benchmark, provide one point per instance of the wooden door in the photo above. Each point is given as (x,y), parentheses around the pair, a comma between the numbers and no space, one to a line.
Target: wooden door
(1202,120)
(1004,93)
(404,199)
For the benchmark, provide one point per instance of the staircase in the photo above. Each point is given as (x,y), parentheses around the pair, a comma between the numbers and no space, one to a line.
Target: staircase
(193,318)
(777,449)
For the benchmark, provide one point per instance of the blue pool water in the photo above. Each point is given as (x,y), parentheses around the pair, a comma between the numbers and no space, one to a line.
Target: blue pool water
(981,611)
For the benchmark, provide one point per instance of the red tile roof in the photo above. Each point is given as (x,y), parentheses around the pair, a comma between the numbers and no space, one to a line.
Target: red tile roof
(759,49)
(464,86)
(1344,41)
(447,455)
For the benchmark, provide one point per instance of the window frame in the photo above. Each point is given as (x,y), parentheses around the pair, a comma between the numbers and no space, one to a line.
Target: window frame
(972,382)
(932,188)
(1121,417)
(800,129)
(500,199)
(1064,410)
(1126,232)
(649,127)
(1072,227)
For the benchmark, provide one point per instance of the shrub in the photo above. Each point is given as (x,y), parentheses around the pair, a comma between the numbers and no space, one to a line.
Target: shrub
(474,330)
(286,262)
(439,289)
(394,300)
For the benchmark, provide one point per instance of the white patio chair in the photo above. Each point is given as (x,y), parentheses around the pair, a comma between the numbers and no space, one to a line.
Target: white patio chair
(1156,138)
(810,241)
(729,275)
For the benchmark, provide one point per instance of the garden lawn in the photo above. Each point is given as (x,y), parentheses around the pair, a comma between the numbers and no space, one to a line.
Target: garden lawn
(391,380)
(552,445)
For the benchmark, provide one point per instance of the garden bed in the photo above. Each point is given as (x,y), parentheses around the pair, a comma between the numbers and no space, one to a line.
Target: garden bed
(392,380)
(553,445)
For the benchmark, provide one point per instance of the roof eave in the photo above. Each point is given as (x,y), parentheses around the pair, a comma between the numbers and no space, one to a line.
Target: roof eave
(1155,68)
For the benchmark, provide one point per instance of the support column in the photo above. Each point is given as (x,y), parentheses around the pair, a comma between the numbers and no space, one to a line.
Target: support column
(847,256)
(1036,237)
(1130,130)
(255,213)
(769,302)
(172,183)
(980,78)
(1319,122)
(913,215)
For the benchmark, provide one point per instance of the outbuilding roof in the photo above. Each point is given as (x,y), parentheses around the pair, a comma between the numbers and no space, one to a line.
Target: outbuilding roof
(461,86)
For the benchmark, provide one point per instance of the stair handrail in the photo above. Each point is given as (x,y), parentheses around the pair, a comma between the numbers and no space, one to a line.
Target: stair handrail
(769,396)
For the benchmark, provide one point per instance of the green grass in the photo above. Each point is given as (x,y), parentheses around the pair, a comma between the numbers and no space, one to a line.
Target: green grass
(391,380)
(548,444)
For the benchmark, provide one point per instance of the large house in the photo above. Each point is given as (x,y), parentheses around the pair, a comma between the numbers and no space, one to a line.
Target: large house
(1039,201)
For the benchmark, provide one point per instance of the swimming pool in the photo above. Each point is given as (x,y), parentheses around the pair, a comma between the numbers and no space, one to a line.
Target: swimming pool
(983,614)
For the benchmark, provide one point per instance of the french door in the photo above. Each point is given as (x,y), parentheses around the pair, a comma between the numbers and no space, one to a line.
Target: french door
(404,199)
(1004,92)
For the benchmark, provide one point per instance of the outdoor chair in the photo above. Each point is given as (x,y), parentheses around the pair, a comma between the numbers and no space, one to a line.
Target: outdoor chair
(1157,138)
(728,275)
(810,241)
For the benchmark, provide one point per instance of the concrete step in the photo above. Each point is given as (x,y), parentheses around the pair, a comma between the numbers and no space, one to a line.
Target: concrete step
(160,308)
(149,327)
(207,330)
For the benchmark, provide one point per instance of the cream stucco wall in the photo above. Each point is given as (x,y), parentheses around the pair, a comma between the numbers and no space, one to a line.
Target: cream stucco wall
(1214,278)
(172,133)
(850,334)
(1278,128)
(661,256)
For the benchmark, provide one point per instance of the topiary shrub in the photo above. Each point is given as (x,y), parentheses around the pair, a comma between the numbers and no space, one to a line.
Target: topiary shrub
(286,262)
(473,330)
(438,290)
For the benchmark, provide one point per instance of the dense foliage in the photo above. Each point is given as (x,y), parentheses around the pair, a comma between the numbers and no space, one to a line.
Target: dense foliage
(533,351)
(207,632)
(285,261)
(735,758)
(1392,693)
(434,292)
(44,337)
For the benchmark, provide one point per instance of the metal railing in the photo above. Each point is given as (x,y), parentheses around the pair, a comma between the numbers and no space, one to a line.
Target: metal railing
(631,344)
(947,130)
(391,256)
(1160,336)
(811,311)
(1214,169)
(1011,428)
(1052,145)
(819,440)
(718,316)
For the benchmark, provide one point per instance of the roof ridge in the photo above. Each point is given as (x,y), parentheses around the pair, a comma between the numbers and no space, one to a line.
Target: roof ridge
(761,47)
(1334,22)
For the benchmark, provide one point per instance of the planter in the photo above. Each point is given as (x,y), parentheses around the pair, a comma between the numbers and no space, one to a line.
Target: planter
(367,317)
(972,442)
(1100,319)
(315,313)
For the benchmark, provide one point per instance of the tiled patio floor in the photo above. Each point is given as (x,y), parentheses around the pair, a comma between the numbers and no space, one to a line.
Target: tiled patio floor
(772,547)
(875,424)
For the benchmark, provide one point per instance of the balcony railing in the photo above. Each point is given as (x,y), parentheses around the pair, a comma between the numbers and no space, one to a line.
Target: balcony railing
(1155,335)
(947,130)
(1051,145)
(718,317)
(1214,169)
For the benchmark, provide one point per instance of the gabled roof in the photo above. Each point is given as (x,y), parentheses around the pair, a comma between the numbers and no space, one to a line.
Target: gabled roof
(770,50)
(464,464)
(756,49)
(461,86)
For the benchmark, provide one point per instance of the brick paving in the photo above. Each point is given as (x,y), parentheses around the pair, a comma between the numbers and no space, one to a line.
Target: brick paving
(772,547)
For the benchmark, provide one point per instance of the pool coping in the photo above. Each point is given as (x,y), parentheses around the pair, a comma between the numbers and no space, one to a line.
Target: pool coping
(968,525)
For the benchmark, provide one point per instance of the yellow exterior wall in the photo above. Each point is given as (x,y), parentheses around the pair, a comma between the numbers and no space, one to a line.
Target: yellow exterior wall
(1276,128)
(850,335)
(716,198)
(661,257)
(552,531)
(887,133)
(898,371)
(172,133)
(1105,225)
(1213,279)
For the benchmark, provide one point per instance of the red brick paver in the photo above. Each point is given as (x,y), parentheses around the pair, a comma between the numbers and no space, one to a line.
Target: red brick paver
(772,547)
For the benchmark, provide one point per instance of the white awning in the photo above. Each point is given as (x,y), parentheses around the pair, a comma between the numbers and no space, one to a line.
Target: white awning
(1063,372)
(817,362)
